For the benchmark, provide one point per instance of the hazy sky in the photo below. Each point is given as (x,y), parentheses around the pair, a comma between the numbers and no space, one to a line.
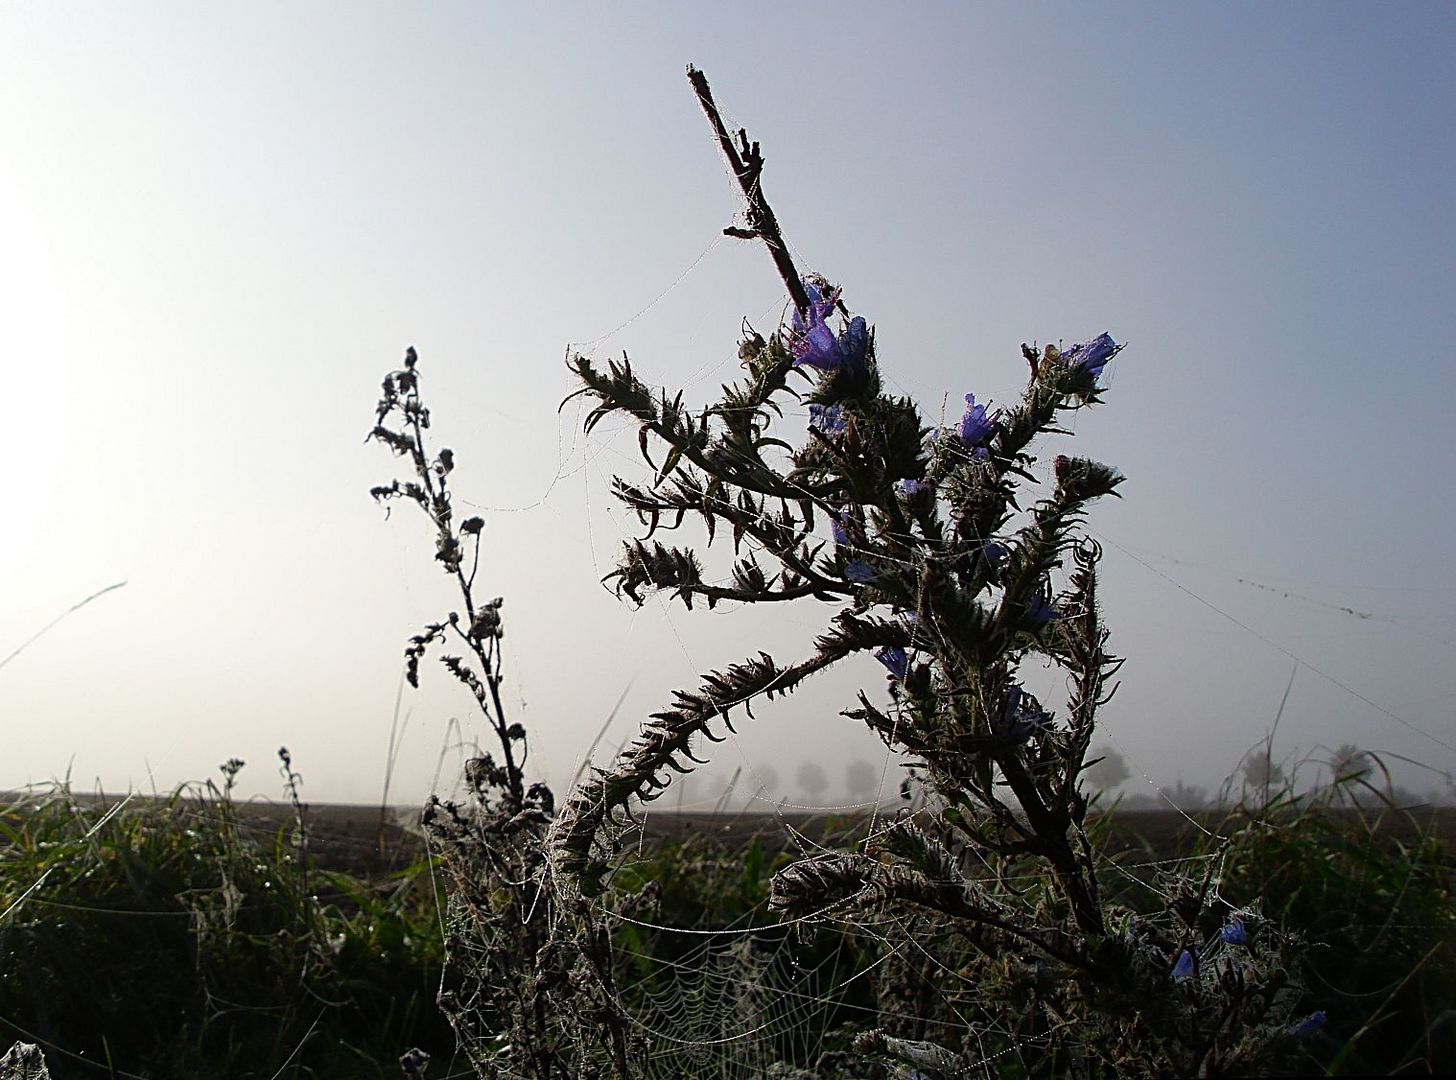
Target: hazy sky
(221,224)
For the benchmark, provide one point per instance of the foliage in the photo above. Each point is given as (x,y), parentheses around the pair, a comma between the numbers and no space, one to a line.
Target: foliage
(935,563)
(984,929)
(1372,888)
(209,952)
(938,565)
(528,991)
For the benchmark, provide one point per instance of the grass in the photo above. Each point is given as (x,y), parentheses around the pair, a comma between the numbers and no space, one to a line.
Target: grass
(1369,891)
(1373,891)
(159,938)
(211,951)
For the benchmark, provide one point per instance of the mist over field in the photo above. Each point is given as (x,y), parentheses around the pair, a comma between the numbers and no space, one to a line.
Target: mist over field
(224,225)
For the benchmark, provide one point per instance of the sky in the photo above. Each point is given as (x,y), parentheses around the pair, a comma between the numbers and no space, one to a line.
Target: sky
(222,224)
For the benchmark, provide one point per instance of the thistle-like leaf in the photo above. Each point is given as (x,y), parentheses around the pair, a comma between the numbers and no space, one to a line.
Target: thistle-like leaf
(660,568)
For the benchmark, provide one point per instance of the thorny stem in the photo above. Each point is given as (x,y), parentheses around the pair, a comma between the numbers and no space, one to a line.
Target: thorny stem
(1049,817)
(1050,826)
(975,647)
(747,164)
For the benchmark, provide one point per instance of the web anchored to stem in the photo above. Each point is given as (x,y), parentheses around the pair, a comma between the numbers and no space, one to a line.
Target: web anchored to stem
(938,571)
(980,919)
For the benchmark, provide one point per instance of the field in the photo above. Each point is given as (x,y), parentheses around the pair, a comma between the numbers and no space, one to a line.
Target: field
(191,936)
(373,843)
(1005,933)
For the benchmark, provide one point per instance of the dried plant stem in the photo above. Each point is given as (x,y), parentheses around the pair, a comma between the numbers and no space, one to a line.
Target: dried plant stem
(747,164)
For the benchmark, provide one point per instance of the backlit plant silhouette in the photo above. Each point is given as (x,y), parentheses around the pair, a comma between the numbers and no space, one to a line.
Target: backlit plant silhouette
(956,562)
(527,991)
(934,558)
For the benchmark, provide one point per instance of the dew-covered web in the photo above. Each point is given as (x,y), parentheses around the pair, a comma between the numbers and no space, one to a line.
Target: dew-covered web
(752,992)
(737,998)
(740,996)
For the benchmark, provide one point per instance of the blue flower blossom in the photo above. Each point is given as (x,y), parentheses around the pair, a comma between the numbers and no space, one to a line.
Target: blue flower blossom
(976,427)
(859,572)
(911,488)
(1092,356)
(995,556)
(837,531)
(1183,969)
(1039,612)
(1013,700)
(829,419)
(821,305)
(894,659)
(1022,717)
(813,344)
(1310,1026)
(1234,933)
(817,349)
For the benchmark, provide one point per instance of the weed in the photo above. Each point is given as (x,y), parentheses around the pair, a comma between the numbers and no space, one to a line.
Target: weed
(201,949)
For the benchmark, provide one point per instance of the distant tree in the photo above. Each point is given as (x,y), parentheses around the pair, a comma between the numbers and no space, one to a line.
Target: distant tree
(861,780)
(1107,773)
(1187,796)
(1349,762)
(812,780)
(1260,770)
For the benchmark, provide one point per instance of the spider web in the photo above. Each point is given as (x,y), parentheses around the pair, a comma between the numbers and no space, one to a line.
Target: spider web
(753,997)
(757,995)
(760,996)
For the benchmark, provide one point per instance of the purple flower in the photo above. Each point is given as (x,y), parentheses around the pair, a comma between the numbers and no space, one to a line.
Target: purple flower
(894,659)
(837,531)
(995,556)
(814,345)
(829,419)
(817,349)
(1183,969)
(976,427)
(1092,356)
(1013,700)
(1130,934)
(1023,717)
(1234,933)
(820,306)
(911,488)
(859,572)
(1310,1026)
(1039,612)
